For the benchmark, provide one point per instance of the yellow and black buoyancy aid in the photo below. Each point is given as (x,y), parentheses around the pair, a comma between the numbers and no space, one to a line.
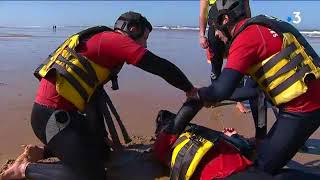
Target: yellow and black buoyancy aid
(282,76)
(187,153)
(192,146)
(77,77)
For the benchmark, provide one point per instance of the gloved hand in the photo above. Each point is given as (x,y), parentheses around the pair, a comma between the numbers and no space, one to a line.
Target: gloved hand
(162,147)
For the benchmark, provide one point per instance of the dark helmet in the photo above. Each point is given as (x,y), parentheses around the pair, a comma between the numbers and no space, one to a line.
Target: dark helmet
(235,9)
(132,19)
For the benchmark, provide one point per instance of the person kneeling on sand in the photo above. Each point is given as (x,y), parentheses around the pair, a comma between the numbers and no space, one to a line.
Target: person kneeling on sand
(216,52)
(283,64)
(71,75)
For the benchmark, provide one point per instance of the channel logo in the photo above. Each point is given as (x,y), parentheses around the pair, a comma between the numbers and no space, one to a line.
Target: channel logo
(296,18)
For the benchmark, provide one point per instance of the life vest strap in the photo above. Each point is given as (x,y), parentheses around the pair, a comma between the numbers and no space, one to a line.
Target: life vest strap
(84,62)
(189,157)
(295,62)
(113,76)
(82,74)
(63,72)
(287,83)
(175,172)
(274,60)
(178,141)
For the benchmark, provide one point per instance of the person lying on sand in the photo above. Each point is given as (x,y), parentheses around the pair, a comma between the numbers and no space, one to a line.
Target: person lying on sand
(227,155)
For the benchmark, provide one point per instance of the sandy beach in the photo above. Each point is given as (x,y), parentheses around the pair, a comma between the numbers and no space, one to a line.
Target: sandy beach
(138,101)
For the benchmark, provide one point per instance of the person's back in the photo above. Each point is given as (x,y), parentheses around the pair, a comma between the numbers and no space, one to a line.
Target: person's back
(107,49)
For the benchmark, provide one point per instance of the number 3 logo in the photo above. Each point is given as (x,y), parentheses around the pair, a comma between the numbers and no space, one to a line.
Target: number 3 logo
(297,17)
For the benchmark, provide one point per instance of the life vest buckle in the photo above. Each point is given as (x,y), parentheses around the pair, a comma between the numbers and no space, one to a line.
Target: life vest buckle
(197,140)
(114,83)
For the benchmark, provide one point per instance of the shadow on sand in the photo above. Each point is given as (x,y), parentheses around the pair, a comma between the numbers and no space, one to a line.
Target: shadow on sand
(135,162)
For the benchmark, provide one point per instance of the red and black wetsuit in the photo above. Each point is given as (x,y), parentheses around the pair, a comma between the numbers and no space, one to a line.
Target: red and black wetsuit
(297,119)
(80,150)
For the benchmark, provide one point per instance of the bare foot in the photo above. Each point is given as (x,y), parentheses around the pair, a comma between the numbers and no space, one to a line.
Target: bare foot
(229,131)
(242,108)
(32,153)
(17,169)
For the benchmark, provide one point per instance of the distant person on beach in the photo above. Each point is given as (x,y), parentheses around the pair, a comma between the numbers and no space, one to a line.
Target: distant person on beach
(284,65)
(203,17)
(67,81)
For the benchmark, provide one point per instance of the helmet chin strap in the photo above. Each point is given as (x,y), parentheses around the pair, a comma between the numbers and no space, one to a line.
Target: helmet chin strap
(225,31)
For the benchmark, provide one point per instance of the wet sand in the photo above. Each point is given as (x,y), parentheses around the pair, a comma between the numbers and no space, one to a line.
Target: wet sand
(138,101)
(138,109)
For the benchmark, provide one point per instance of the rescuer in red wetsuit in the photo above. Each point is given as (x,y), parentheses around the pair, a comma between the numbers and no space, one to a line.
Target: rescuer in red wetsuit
(284,65)
(68,79)
(286,68)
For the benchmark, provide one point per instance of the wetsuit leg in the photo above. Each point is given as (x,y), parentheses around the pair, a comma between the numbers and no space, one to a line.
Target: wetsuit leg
(288,134)
(42,171)
(294,174)
(284,174)
(74,144)
(258,110)
(216,47)
(250,173)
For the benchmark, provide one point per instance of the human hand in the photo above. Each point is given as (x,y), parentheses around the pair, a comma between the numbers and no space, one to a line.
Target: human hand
(203,42)
(229,131)
(33,153)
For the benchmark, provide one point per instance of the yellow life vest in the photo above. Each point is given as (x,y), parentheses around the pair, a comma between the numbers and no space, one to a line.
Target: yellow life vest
(188,151)
(77,77)
(282,76)
(194,144)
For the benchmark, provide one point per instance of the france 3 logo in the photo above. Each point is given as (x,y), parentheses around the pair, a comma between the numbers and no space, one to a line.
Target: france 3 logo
(296,17)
